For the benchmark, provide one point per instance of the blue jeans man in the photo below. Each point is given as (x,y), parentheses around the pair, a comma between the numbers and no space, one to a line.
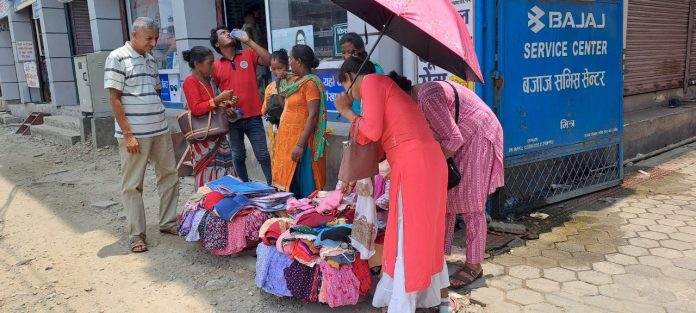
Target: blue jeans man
(253,128)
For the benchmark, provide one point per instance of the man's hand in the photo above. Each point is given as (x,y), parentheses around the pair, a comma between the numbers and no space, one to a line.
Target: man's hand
(241,35)
(132,145)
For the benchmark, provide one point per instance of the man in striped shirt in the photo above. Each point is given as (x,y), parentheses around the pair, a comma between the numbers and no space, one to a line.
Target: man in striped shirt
(131,76)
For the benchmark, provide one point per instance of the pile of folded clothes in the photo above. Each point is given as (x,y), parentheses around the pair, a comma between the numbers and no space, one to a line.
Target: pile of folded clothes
(308,255)
(225,215)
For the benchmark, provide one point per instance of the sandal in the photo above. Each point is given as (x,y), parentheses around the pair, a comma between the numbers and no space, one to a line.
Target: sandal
(467,280)
(171,230)
(137,245)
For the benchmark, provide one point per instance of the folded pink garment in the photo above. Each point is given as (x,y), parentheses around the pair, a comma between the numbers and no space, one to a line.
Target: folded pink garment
(332,201)
(297,206)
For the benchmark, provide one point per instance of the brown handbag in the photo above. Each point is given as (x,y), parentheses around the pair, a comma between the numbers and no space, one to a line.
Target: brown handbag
(199,128)
(359,161)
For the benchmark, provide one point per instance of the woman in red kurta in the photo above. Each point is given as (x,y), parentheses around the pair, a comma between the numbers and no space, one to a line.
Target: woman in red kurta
(413,260)
(212,158)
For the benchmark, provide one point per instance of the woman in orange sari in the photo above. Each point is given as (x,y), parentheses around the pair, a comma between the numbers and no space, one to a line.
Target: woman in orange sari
(299,161)
(413,259)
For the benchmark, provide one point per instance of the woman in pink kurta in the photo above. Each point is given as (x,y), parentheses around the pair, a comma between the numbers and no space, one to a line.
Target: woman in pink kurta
(413,260)
(476,144)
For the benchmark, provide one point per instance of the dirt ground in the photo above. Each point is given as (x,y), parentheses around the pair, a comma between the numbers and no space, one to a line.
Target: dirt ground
(58,253)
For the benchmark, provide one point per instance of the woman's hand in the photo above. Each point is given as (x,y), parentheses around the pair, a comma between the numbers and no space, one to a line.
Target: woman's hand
(231,113)
(225,96)
(343,102)
(345,188)
(297,153)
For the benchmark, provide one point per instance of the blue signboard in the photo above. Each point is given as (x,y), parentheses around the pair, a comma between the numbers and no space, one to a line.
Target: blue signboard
(560,62)
(333,87)
(164,81)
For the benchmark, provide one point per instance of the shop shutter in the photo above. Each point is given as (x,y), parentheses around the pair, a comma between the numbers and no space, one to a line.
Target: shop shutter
(656,41)
(692,61)
(81,29)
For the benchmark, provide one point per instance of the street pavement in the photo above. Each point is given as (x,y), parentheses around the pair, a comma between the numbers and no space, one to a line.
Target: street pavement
(635,253)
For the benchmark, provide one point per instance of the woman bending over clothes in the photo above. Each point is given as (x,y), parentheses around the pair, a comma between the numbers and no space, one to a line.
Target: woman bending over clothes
(414,268)
(212,157)
(299,160)
(476,144)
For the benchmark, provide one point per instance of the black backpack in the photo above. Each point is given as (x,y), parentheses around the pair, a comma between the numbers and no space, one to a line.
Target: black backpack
(274,109)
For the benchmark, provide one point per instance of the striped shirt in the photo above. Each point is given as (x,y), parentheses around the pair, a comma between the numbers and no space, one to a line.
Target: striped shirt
(136,76)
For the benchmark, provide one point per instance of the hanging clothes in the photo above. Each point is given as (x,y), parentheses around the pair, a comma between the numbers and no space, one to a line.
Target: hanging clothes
(365,223)
(270,270)
(341,285)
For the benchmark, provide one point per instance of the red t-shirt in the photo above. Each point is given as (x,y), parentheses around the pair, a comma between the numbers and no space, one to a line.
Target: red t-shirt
(197,96)
(239,75)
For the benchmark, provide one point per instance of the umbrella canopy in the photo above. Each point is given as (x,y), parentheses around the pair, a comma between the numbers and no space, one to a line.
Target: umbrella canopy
(432,29)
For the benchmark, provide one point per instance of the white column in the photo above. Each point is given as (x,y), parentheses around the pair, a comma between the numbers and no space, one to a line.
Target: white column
(20,30)
(8,71)
(105,20)
(193,21)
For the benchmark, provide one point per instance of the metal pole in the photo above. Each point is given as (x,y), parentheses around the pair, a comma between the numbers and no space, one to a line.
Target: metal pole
(381,34)
(689,40)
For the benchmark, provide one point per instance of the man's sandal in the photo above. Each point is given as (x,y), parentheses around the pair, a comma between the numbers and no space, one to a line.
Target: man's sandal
(171,230)
(137,245)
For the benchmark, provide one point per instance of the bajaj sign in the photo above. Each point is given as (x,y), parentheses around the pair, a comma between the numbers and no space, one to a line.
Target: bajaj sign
(538,19)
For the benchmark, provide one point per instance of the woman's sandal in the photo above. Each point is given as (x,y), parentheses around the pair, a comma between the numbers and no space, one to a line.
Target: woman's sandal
(137,245)
(464,279)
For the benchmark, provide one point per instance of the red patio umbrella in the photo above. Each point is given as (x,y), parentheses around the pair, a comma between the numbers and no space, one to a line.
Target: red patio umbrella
(432,29)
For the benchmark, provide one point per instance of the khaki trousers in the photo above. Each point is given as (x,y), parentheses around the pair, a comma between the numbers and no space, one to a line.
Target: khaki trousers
(159,151)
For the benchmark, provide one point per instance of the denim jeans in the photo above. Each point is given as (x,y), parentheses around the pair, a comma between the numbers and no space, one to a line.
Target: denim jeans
(253,128)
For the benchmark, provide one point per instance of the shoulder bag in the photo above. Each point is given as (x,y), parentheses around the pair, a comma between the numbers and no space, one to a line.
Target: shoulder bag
(359,161)
(453,175)
(199,128)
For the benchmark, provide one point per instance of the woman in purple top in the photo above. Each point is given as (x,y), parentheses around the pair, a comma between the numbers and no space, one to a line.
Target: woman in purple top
(476,144)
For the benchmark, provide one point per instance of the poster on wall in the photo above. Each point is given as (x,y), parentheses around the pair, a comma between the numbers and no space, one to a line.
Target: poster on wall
(286,38)
(25,51)
(21,4)
(4,8)
(174,88)
(31,74)
(171,88)
(428,71)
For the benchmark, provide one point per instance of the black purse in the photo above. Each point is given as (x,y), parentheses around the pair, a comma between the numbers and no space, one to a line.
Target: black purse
(453,175)
(274,109)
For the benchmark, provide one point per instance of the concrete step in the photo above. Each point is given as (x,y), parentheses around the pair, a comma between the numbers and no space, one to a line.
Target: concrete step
(654,128)
(70,110)
(65,137)
(7,119)
(63,121)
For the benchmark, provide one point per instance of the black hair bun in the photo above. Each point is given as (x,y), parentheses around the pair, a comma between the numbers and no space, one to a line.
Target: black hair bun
(186,55)
(315,63)
(403,82)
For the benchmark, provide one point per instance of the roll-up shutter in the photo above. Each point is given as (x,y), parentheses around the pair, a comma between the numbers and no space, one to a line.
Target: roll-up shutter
(81,29)
(656,41)
(692,61)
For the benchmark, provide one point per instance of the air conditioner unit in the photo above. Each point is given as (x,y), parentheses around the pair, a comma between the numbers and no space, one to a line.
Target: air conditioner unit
(89,74)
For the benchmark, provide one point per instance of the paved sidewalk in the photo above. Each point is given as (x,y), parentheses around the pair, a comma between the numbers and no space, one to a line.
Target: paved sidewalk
(637,254)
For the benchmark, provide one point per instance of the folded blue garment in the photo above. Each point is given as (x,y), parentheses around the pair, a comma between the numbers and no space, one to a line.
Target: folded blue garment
(229,206)
(234,185)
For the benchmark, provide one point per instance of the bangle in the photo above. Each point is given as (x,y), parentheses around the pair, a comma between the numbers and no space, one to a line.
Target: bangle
(300,146)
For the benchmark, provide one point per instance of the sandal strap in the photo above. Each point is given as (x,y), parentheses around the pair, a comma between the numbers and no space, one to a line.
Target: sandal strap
(464,279)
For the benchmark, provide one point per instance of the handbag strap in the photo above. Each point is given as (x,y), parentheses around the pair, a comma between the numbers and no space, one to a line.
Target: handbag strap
(456,103)
(210,113)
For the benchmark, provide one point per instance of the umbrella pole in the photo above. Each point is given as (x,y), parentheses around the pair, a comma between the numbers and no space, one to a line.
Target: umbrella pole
(381,34)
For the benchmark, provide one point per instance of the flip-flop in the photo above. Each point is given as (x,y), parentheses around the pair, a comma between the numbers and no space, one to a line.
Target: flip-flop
(137,245)
(466,280)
